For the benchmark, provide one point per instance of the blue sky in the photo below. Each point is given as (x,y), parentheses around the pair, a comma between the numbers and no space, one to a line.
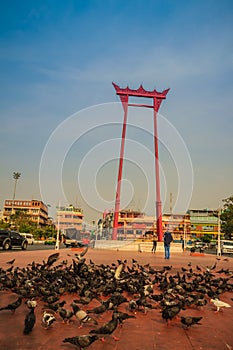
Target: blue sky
(58,58)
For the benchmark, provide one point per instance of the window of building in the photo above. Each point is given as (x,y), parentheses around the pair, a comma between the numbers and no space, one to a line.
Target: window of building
(207,228)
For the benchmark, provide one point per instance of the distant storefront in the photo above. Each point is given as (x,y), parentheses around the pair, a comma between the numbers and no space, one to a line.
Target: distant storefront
(203,222)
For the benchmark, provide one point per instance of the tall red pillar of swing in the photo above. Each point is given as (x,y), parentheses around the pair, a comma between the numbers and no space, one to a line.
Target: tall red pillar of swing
(159,224)
(157,99)
(124,101)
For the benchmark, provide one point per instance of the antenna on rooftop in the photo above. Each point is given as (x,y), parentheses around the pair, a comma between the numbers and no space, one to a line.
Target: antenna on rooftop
(171,203)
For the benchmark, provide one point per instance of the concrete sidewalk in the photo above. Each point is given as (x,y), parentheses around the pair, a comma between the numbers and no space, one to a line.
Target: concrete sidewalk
(147,331)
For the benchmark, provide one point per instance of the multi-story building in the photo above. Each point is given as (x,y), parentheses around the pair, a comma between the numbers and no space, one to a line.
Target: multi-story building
(203,222)
(195,223)
(69,217)
(35,209)
(134,224)
(179,224)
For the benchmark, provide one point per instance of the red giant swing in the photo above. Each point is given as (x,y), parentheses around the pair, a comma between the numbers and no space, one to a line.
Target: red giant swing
(157,99)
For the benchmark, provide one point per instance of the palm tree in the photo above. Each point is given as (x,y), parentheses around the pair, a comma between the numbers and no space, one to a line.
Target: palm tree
(16,176)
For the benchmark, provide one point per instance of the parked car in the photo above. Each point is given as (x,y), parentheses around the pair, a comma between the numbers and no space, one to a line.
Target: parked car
(212,244)
(201,245)
(29,237)
(226,247)
(50,241)
(10,239)
(74,243)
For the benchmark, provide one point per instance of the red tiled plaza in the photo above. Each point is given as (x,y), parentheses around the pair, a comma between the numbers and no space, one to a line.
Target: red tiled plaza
(147,331)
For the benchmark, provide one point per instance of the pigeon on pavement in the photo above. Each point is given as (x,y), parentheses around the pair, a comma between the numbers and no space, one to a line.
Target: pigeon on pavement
(188,321)
(13,306)
(82,316)
(47,319)
(29,321)
(219,304)
(82,341)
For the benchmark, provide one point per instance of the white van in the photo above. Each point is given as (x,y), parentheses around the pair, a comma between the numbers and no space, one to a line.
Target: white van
(29,237)
(226,247)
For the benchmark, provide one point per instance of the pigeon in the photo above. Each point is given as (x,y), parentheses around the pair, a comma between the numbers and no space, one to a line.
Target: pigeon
(11,262)
(81,254)
(13,306)
(47,319)
(65,314)
(55,306)
(52,259)
(156,297)
(188,321)
(82,316)
(219,304)
(82,341)
(122,316)
(119,269)
(132,305)
(116,299)
(168,268)
(31,304)
(107,328)
(100,309)
(29,321)
(86,299)
(184,269)
(169,313)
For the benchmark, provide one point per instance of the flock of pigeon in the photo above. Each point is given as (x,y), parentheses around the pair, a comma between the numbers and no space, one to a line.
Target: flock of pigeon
(138,287)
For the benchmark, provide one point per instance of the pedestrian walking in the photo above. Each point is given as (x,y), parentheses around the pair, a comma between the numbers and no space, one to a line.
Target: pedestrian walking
(167,239)
(154,246)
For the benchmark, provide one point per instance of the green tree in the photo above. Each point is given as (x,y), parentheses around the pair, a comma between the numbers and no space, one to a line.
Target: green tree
(38,233)
(227,217)
(20,218)
(49,231)
(4,224)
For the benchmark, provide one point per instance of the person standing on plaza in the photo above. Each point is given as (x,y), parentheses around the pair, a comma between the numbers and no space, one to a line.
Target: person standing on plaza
(154,240)
(167,239)
(182,242)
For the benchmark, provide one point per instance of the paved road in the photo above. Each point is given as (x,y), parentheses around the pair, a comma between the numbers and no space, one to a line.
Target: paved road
(37,246)
(41,246)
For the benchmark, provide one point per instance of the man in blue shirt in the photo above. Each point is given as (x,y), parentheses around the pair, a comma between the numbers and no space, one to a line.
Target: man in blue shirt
(167,239)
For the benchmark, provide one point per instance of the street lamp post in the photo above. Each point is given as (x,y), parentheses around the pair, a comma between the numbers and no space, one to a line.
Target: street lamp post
(184,235)
(58,228)
(95,229)
(16,176)
(219,232)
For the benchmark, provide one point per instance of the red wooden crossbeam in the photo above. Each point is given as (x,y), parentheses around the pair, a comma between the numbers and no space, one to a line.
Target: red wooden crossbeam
(140,92)
(139,105)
